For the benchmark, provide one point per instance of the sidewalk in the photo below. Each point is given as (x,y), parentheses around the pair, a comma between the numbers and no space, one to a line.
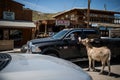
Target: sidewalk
(15,50)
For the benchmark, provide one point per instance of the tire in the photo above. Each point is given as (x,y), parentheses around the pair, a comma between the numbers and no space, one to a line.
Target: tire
(52,54)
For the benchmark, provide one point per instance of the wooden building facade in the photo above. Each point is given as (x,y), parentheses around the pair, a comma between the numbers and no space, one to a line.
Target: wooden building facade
(98,18)
(15,22)
(79,17)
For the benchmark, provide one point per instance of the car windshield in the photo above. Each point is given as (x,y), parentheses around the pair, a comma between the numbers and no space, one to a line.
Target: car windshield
(60,34)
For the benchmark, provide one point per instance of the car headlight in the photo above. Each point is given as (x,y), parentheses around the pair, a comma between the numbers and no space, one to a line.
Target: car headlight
(32,48)
(35,49)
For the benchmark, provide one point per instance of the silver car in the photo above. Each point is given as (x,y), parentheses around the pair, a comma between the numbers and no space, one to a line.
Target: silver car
(38,67)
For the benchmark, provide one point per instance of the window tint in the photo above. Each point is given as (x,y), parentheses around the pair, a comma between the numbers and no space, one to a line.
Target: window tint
(79,33)
(60,34)
(90,34)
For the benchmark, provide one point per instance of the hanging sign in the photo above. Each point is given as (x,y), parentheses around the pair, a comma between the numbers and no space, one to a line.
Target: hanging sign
(62,22)
(8,15)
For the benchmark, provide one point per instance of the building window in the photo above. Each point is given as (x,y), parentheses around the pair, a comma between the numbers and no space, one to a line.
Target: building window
(1,34)
(66,16)
(16,35)
(72,17)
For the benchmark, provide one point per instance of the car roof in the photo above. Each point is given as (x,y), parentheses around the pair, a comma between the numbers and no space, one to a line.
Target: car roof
(80,29)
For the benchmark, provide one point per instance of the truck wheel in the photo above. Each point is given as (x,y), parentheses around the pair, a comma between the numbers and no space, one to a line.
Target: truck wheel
(52,54)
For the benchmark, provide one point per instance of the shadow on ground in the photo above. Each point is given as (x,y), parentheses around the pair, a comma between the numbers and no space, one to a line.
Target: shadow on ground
(84,64)
(106,73)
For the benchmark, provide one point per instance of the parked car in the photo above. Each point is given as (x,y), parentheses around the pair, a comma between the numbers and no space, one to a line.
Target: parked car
(15,66)
(63,44)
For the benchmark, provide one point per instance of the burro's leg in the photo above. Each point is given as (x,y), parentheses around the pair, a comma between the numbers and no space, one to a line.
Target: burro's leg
(109,69)
(93,63)
(90,61)
(103,66)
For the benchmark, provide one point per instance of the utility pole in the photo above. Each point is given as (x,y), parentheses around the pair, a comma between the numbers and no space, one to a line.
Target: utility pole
(88,14)
(105,7)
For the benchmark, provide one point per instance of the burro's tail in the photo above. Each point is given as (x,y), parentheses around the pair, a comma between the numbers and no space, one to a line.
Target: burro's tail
(109,58)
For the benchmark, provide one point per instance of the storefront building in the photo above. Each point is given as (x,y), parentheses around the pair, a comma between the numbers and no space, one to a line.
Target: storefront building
(102,19)
(15,23)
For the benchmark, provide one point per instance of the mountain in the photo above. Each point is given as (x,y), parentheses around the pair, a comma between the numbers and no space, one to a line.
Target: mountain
(42,16)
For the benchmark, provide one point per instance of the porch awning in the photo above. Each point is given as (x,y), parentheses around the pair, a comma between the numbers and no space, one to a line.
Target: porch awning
(17,24)
(110,25)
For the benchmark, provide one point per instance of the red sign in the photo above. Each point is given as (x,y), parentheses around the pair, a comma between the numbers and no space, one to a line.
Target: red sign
(63,22)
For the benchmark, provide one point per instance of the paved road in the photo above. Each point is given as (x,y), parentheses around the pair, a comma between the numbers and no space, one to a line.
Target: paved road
(115,71)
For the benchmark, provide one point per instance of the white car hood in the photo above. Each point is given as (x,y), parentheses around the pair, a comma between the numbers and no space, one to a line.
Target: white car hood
(41,67)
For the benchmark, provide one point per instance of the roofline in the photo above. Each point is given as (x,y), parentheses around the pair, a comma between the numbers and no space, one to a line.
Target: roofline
(18,2)
(84,9)
(105,11)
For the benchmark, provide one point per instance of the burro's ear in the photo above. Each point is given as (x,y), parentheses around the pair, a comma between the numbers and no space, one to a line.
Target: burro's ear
(79,38)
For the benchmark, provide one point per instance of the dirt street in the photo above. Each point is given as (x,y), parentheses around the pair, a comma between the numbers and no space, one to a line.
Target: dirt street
(115,70)
(115,73)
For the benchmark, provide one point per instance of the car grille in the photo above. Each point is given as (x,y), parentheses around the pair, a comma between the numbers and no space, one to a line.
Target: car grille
(4,60)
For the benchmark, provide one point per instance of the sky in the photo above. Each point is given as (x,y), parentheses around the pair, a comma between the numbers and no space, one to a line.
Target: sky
(54,6)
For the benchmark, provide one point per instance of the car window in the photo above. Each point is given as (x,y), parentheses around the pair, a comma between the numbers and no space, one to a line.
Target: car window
(78,33)
(60,34)
(90,32)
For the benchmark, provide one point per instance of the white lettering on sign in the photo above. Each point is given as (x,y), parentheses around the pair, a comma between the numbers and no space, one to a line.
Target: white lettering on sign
(63,22)
(8,15)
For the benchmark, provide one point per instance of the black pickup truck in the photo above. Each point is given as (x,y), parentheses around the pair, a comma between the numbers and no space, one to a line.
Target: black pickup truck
(65,45)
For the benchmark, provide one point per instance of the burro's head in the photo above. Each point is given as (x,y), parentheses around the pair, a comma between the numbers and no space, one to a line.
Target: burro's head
(85,41)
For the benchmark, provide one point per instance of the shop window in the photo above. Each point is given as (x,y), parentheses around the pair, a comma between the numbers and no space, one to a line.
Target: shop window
(1,34)
(16,35)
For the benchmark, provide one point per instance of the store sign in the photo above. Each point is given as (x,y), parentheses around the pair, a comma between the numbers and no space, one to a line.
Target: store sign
(8,15)
(63,22)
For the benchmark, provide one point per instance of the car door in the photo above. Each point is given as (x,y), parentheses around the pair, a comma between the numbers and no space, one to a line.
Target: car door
(71,47)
